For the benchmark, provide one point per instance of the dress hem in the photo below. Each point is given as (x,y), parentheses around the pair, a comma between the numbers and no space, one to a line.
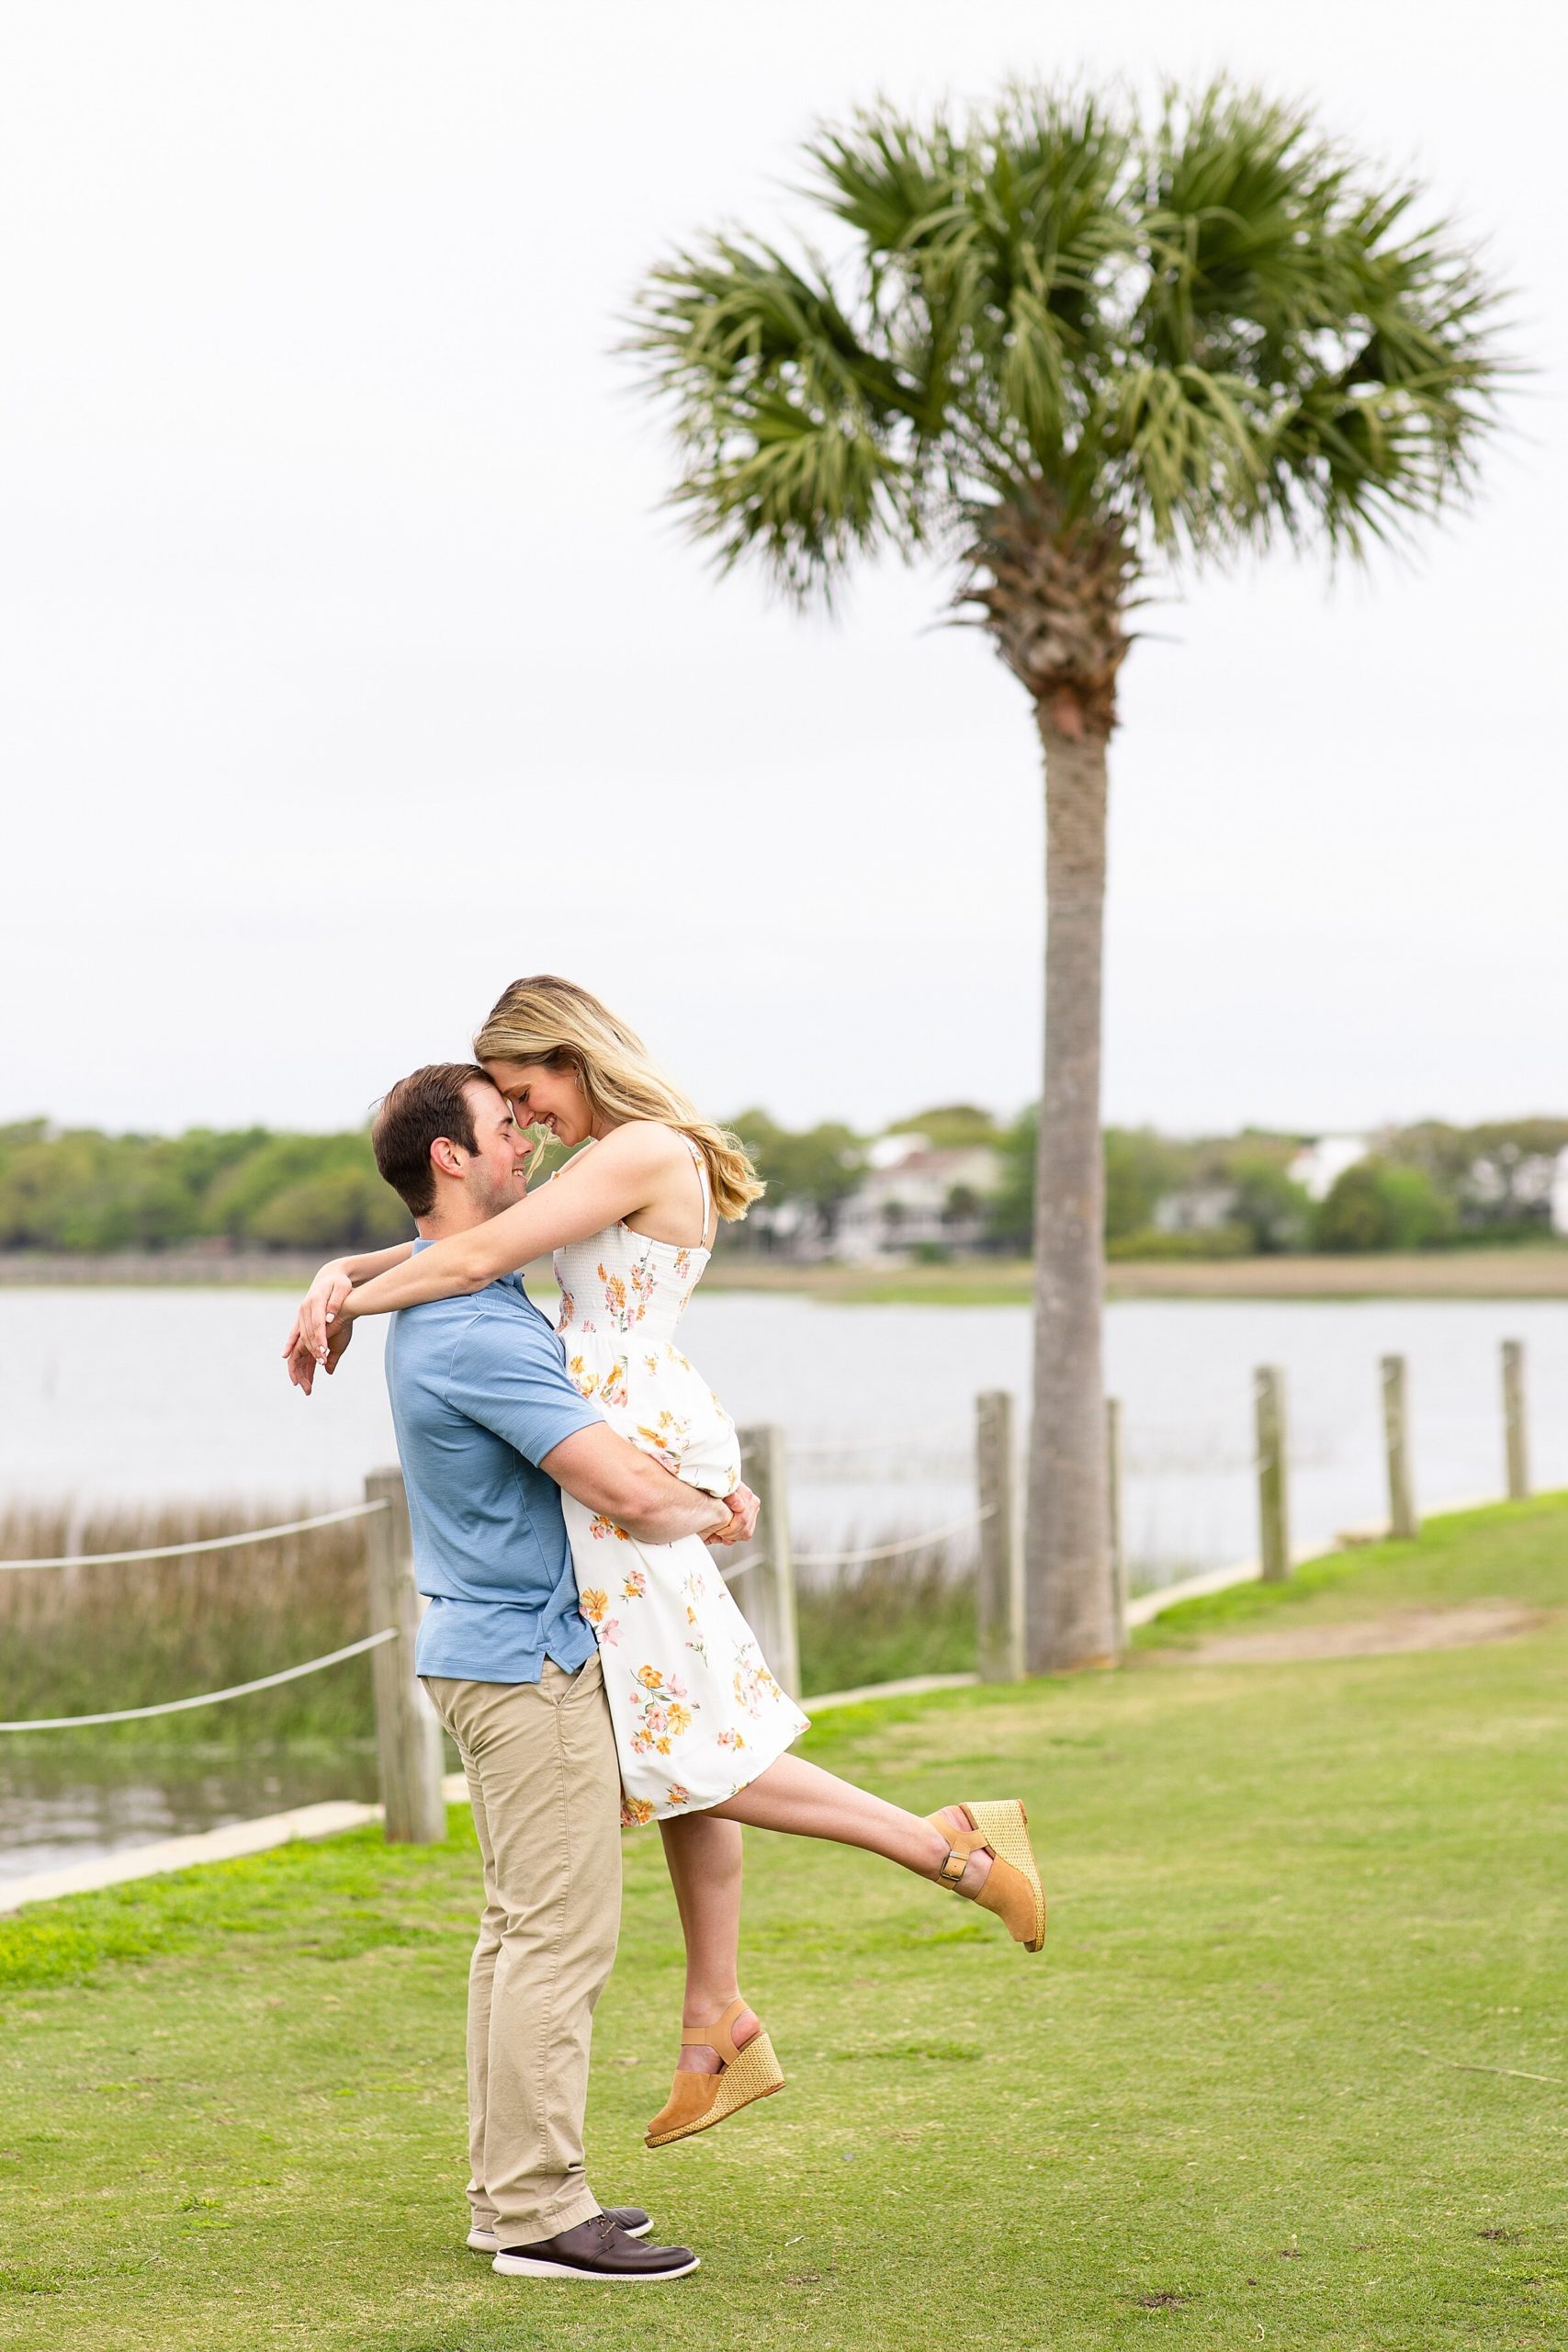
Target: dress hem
(676,1812)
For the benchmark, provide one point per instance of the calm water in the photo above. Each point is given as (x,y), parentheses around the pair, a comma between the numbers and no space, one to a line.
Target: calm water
(154,1395)
(63,1811)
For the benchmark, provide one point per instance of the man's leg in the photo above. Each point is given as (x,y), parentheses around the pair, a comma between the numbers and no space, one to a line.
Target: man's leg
(482,1969)
(540,1757)
(481,1979)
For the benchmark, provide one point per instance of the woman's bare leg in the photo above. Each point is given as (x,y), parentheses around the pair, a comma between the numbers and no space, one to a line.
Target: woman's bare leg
(703,1857)
(805,1802)
(703,1851)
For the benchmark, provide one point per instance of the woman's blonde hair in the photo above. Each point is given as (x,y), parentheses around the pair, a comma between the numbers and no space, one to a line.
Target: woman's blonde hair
(553,1022)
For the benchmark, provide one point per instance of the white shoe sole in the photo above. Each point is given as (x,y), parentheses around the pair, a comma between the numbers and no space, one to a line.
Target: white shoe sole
(522,2266)
(486,2241)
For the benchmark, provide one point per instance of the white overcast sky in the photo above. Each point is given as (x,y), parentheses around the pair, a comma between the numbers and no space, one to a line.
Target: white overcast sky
(350,667)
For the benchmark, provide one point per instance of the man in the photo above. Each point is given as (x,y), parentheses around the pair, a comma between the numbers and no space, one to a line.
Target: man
(489,1428)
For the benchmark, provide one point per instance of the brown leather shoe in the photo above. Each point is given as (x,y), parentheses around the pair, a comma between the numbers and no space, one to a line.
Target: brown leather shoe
(600,2250)
(632,2219)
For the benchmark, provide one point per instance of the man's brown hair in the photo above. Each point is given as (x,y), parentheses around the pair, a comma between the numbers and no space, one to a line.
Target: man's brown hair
(427,1105)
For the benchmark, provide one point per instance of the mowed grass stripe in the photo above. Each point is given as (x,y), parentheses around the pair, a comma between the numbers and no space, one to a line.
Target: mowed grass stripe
(1293,1907)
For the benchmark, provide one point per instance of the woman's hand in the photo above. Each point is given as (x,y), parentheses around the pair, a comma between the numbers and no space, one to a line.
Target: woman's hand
(303,1365)
(322,1305)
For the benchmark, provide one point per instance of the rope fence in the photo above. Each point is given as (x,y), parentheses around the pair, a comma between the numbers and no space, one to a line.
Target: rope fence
(893,1551)
(208,1698)
(209,1543)
(906,1544)
(813,1449)
(408,1734)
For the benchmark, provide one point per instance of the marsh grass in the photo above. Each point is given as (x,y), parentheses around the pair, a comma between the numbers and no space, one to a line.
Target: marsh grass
(80,1640)
(891,1619)
(83,1639)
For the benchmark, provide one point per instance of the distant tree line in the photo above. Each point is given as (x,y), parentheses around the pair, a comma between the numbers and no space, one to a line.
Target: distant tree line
(248,1188)
(1422,1187)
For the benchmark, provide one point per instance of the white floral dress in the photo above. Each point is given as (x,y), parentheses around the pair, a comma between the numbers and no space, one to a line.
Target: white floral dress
(696,1712)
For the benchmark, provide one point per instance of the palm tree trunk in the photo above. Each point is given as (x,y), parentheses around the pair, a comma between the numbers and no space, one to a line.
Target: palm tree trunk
(1070,1621)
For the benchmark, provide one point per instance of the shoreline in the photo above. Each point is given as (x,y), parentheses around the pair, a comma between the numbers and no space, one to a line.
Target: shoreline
(1530,1271)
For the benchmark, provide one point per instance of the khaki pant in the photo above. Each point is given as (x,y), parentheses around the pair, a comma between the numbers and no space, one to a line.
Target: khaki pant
(540,1759)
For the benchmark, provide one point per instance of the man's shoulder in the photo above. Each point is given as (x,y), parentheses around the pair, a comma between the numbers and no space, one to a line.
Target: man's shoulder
(501,1299)
(500,1317)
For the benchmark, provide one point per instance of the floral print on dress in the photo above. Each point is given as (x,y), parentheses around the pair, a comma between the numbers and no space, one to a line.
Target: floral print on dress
(696,1712)
(663,1716)
(753,1686)
(607,1384)
(595,1605)
(644,1289)
(694,1589)
(668,1437)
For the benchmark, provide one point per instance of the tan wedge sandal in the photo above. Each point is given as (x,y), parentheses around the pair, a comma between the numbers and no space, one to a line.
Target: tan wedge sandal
(698,2101)
(1013,1888)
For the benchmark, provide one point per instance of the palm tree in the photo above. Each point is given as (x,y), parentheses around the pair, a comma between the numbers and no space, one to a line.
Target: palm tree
(1062,345)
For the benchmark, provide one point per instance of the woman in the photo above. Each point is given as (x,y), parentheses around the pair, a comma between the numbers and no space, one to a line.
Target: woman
(701,1729)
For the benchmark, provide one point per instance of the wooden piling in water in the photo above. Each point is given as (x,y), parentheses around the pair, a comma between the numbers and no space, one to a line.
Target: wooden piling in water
(1515,1425)
(1273,1474)
(1118,1546)
(766,1592)
(998,1579)
(1402,1520)
(408,1735)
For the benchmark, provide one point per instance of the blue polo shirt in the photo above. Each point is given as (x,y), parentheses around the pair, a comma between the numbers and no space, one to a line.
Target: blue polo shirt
(480,1395)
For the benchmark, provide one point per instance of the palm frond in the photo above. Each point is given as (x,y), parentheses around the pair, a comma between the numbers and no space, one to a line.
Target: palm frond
(1210,328)
(797,432)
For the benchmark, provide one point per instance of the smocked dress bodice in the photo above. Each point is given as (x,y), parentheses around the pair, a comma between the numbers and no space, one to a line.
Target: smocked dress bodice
(622,1297)
(696,1712)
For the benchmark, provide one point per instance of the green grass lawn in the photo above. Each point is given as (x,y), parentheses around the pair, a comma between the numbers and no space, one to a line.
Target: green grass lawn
(1292,2072)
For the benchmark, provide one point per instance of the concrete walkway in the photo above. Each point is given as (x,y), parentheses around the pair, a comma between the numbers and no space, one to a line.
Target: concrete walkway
(183,1853)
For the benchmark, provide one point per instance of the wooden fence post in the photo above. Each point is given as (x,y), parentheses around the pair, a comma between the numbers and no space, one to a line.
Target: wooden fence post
(767,1595)
(1118,1547)
(1515,1429)
(998,1578)
(408,1735)
(1402,1520)
(1273,1475)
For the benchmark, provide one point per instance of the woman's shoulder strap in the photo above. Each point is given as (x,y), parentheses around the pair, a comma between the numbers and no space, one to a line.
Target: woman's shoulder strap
(700,1156)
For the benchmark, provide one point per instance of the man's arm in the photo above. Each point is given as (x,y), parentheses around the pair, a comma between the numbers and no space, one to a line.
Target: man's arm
(509,1377)
(608,1475)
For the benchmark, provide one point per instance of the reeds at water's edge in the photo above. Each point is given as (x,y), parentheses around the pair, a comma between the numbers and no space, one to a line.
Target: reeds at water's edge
(882,1622)
(83,1639)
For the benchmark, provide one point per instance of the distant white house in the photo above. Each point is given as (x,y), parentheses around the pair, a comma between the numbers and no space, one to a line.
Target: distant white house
(1320,1166)
(1195,1208)
(1560,1193)
(912,1193)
